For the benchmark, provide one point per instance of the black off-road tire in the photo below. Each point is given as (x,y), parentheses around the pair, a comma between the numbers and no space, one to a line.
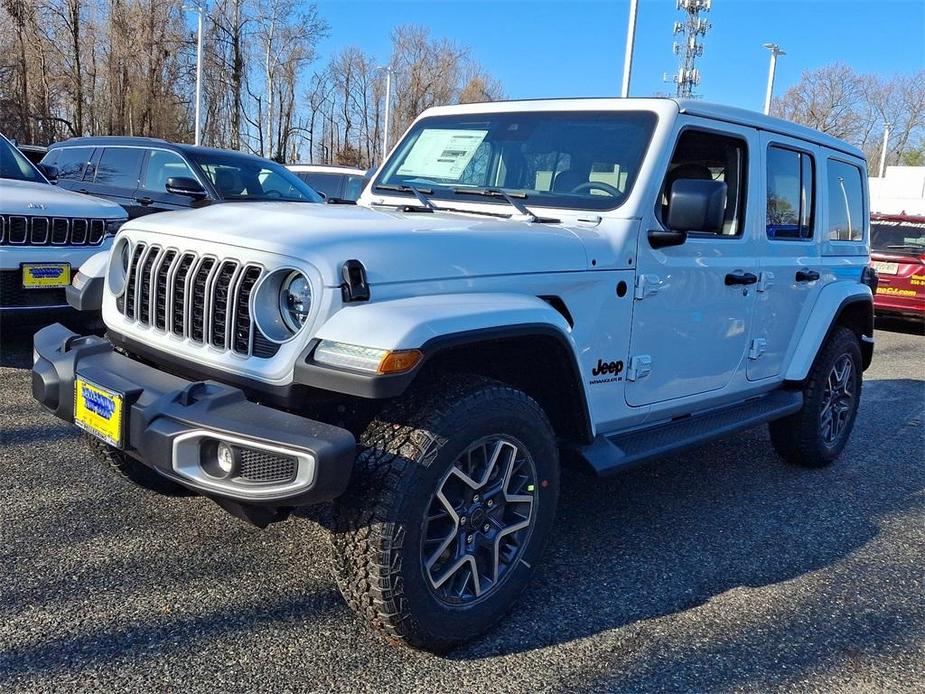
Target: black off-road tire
(378,523)
(798,438)
(127,468)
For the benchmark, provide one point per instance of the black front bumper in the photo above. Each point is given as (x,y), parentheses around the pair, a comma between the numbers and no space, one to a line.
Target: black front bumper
(165,416)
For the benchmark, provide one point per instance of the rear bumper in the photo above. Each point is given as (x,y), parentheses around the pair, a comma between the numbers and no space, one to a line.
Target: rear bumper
(912,307)
(170,424)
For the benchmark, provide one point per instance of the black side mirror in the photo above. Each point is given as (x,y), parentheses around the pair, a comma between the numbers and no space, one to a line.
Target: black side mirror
(50,172)
(697,205)
(693,205)
(183,185)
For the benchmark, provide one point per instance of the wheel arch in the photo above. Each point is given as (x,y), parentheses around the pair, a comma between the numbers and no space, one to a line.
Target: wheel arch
(852,308)
(521,340)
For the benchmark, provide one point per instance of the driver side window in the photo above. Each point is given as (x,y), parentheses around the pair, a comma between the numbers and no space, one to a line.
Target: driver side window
(704,155)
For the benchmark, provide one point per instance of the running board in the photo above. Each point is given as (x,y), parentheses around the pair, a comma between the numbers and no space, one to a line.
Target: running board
(610,454)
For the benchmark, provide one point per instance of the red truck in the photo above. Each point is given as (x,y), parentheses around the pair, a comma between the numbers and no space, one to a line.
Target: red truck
(897,252)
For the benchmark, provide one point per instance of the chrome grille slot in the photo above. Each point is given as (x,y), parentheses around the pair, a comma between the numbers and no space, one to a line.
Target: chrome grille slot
(159,295)
(17,234)
(243,325)
(39,235)
(59,229)
(198,289)
(179,293)
(97,231)
(78,232)
(221,303)
(131,282)
(144,288)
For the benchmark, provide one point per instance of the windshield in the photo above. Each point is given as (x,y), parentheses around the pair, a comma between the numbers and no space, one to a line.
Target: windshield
(586,160)
(249,178)
(898,237)
(14,165)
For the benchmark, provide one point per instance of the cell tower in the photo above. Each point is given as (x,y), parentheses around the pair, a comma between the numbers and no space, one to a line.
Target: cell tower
(688,48)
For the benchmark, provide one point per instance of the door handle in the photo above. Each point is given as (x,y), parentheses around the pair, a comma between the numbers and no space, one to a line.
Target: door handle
(741,278)
(807,275)
(83,190)
(144,201)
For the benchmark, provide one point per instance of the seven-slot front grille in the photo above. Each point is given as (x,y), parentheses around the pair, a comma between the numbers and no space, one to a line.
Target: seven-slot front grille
(200,298)
(24,230)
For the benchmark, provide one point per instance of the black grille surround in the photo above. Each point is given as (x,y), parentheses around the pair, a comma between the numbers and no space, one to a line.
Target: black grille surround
(198,297)
(49,230)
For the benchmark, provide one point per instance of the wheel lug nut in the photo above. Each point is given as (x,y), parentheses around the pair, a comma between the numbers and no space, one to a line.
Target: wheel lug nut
(486,528)
(469,539)
(491,502)
(475,498)
(462,520)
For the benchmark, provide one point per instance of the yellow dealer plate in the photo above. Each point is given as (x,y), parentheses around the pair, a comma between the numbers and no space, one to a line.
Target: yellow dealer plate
(45,275)
(98,411)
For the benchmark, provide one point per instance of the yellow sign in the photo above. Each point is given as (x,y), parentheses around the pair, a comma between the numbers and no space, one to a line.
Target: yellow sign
(98,411)
(45,275)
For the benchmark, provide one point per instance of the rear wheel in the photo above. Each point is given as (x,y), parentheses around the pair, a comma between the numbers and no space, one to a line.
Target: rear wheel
(817,434)
(447,512)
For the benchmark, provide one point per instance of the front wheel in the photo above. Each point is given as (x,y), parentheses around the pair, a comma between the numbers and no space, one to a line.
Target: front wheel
(817,434)
(447,513)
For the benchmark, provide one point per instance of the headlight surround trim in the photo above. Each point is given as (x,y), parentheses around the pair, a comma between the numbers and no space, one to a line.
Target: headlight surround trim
(267,304)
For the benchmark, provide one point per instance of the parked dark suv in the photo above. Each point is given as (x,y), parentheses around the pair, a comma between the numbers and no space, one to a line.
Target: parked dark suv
(147,175)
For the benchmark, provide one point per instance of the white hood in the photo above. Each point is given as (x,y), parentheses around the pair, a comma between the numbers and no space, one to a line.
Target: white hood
(393,246)
(42,199)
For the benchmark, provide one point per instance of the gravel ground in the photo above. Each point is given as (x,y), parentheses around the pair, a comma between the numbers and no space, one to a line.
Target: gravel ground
(722,569)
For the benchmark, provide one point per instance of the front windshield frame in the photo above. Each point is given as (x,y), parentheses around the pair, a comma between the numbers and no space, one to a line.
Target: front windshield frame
(22,163)
(204,159)
(644,121)
(879,228)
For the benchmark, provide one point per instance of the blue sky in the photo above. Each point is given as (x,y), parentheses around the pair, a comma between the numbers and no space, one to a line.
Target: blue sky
(575,47)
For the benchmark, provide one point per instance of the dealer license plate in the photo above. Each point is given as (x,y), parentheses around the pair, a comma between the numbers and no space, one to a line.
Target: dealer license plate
(886,268)
(98,411)
(45,275)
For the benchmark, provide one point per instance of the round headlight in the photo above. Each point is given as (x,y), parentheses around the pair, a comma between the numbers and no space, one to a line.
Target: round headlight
(295,300)
(118,265)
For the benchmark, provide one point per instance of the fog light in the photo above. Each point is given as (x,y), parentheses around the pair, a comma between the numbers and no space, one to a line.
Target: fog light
(225,458)
(219,459)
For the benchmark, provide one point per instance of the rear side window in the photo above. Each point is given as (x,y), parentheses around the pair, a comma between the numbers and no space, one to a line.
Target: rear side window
(790,194)
(72,162)
(119,167)
(846,202)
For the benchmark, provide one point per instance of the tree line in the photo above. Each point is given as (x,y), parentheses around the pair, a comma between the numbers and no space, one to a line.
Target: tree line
(128,67)
(855,107)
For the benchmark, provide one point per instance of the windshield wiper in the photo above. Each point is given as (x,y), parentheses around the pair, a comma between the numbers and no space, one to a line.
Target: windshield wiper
(420,193)
(510,198)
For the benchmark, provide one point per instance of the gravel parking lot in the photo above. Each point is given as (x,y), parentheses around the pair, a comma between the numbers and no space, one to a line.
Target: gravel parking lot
(722,569)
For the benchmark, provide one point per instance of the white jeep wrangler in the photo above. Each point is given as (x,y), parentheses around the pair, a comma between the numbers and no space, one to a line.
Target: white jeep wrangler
(616,279)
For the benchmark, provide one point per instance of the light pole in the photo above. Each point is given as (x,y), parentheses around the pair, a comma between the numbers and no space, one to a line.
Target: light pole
(628,56)
(198,8)
(388,108)
(886,139)
(775,51)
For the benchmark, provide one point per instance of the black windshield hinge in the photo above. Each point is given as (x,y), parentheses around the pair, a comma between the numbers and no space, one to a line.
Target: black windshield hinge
(354,287)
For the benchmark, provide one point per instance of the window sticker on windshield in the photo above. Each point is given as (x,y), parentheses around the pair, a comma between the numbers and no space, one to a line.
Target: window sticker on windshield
(442,153)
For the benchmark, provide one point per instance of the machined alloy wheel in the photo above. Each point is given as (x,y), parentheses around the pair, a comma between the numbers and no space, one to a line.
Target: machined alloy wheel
(838,400)
(479,520)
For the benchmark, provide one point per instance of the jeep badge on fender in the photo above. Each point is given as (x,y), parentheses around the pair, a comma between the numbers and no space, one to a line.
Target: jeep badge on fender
(430,408)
